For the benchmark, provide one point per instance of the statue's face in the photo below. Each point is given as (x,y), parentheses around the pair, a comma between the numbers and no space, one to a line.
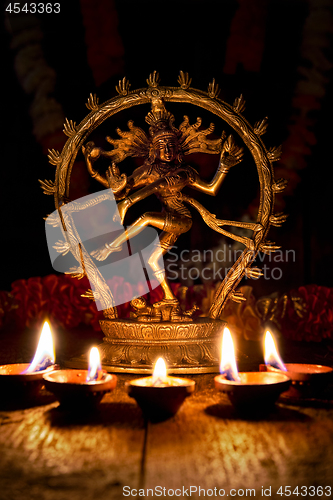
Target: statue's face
(166,149)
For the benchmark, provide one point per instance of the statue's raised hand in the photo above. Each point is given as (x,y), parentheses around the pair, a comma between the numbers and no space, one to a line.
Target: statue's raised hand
(90,151)
(116,181)
(231,154)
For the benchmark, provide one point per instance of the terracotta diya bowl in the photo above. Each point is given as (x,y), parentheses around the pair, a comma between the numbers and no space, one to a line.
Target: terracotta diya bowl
(73,391)
(160,402)
(256,391)
(308,380)
(15,384)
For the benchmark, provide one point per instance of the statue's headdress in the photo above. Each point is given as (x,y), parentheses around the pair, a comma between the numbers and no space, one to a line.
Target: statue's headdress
(190,138)
(161,121)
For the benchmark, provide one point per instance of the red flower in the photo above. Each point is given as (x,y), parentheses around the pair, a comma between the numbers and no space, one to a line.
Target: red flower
(309,314)
(304,314)
(30,300)
(56,297)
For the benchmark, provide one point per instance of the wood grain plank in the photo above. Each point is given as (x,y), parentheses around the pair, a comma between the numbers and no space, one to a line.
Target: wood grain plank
(208,444)
(49,453)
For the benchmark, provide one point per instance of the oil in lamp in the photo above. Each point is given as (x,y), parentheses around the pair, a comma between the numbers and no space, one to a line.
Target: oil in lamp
(81,388)
(160,396)
(308,380)
(247,391)
(24,380)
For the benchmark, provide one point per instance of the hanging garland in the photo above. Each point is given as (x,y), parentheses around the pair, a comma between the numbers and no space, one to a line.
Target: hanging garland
(309,92)
(105,55)
(35,76)
(246,42)
(105,50)
(245,47)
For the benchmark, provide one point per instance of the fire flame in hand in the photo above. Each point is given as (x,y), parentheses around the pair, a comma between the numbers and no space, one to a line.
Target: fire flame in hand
(272,357)
(228,361)
(44,356)
(94,364)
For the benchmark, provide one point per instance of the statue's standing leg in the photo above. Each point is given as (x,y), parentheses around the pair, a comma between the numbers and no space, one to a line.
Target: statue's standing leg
(173,225)
(169,307)
(167,240)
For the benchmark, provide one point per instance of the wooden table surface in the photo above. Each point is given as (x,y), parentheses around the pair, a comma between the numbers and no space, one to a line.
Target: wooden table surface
(49,453)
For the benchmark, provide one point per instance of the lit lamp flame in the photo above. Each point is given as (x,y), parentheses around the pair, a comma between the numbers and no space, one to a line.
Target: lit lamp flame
(95,366)
(160,372)
(272,357)
(44,356)
(228,365)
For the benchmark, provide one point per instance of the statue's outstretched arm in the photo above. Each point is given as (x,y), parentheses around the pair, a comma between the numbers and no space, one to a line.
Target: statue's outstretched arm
(231,154)
(213,186)
(120,184)
(91,153)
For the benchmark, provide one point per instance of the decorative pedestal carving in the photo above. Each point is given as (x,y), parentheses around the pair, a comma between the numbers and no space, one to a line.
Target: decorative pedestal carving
(190,347)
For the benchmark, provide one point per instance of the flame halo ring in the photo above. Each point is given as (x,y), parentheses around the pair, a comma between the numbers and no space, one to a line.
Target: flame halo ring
(208,101)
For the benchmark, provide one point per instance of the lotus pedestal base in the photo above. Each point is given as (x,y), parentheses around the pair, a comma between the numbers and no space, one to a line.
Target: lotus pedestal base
(133,347)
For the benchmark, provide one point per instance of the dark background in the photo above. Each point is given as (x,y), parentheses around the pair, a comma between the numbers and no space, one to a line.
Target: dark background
(277,53)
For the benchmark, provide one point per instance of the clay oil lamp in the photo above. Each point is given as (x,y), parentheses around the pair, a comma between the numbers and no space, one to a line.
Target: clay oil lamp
(75,389)
(160,396)
(249,392)
(23,380)
(308,380)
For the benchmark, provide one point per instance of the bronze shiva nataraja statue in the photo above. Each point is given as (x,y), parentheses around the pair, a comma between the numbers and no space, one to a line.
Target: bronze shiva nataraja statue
(164,174)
